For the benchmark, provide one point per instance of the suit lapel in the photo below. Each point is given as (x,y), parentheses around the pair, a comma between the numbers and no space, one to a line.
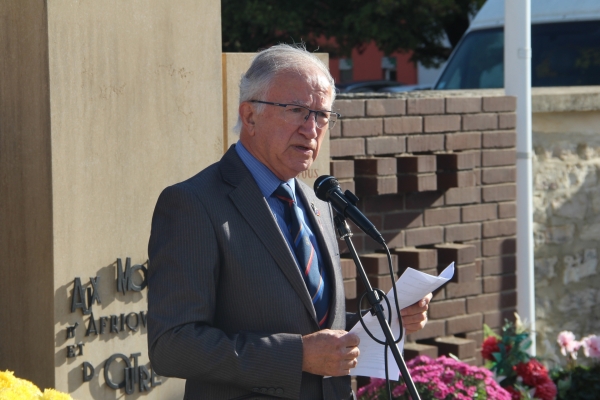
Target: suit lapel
(253,207)
(326,238)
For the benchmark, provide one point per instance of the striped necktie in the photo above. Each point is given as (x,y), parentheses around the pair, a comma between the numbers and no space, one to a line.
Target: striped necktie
(305,253)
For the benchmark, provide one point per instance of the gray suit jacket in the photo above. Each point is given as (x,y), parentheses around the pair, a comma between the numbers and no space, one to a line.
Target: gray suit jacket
(227,305)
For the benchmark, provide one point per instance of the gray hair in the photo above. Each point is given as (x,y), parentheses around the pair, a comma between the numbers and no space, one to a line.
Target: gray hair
(268,63)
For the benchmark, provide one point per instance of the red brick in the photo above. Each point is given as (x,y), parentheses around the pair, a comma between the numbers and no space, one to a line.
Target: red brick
(431,330)
(454,290)
(407,164)
(479,122)
(438,295)
(385,204)
(462,273)
(393,239)
(499,193)
(375,166)
(499,139)
(461,348)
(463,232)
(479,212)
(417,182)
(466,323)
(445,309)
(463,105)
(386,145)
(490,176)
(507,121)
(423,200)
(463,141)
(422,236)
(348,268)
(362,127)
(499,283)
(458,161)
(377,263)
(478,267)
(477,245)
(442,216)
(507,210)
(403,220)
(413,350)
(382,282)
(342,168)
(336,131)
(350,288)
(375,185)
(350,108)
(425,106)
(455,179)
(500,103)
(476,336)
(500,246)
(423,143)
(403,125)
(459,253)
(441,123)
(495,158)
(385,107)
(491,302)
(347,147)
(503,227)
(347,184)
(497,319)
(465,195)
(499,265)
(411,257)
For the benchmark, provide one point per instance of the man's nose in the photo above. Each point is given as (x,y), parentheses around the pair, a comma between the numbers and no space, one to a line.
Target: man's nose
(309,126)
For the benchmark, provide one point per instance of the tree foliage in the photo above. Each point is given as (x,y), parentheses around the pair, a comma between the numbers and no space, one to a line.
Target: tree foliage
(419,26)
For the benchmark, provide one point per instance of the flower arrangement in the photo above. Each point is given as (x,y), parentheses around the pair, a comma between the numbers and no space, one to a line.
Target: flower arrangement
(441,378)
(523,376)
(577,381)
(13,388)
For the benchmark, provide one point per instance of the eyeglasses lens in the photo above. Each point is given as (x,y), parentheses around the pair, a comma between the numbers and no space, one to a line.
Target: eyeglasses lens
(298,115)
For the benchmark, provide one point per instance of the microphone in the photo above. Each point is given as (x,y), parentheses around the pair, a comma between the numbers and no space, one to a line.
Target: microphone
(327,188)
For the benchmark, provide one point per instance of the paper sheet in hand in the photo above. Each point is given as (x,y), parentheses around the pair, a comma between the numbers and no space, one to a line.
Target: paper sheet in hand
(412,286)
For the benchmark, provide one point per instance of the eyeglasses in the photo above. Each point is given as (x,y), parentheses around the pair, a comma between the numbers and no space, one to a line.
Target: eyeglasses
(298,115)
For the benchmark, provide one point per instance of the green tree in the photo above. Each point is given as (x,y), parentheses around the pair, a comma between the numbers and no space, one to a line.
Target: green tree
(419,26)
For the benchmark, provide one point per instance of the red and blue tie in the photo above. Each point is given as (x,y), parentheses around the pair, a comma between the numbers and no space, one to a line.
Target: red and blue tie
(305,253)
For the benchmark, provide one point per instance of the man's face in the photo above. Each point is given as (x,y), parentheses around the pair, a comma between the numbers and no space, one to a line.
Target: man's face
(288,149)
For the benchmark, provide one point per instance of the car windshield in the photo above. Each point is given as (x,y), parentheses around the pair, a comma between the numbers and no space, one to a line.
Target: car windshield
(564,54)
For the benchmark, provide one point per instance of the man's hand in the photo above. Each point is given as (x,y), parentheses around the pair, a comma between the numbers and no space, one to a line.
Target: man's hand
(414,317)
(329,352)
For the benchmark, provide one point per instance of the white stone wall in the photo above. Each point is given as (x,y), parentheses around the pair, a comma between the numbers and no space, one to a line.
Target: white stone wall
(566,200)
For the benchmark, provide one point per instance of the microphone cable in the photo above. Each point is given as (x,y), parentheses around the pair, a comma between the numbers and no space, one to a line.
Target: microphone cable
(389,319)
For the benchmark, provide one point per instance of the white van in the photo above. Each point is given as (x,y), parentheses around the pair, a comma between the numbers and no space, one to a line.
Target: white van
(565,42)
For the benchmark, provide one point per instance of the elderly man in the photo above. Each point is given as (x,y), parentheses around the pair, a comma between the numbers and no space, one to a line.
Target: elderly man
(245,289)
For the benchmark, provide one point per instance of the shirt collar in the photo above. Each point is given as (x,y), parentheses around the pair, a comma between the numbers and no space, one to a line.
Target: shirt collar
(265,179)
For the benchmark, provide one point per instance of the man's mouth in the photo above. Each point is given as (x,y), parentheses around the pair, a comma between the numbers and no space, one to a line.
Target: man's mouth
(303,148)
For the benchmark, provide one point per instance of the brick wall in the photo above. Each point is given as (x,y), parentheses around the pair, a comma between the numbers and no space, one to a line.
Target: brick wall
(436,175)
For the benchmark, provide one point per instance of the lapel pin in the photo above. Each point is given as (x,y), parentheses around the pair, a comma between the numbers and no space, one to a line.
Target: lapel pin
(317,212)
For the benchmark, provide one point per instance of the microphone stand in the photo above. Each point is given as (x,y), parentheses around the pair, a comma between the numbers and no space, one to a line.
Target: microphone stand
(376,308)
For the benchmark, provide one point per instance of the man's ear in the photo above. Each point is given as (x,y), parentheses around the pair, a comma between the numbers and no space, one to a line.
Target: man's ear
(247,115)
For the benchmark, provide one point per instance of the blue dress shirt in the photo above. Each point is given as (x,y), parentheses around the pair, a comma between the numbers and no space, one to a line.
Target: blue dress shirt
(267,183)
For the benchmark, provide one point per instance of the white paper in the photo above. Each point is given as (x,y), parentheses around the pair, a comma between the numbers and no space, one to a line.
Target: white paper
(412,286)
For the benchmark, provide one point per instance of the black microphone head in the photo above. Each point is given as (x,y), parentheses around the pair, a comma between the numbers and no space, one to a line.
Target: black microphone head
(323,185)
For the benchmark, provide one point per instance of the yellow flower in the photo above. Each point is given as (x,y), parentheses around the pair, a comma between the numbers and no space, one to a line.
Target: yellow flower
(7,379)
(12,388)
(51,394)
